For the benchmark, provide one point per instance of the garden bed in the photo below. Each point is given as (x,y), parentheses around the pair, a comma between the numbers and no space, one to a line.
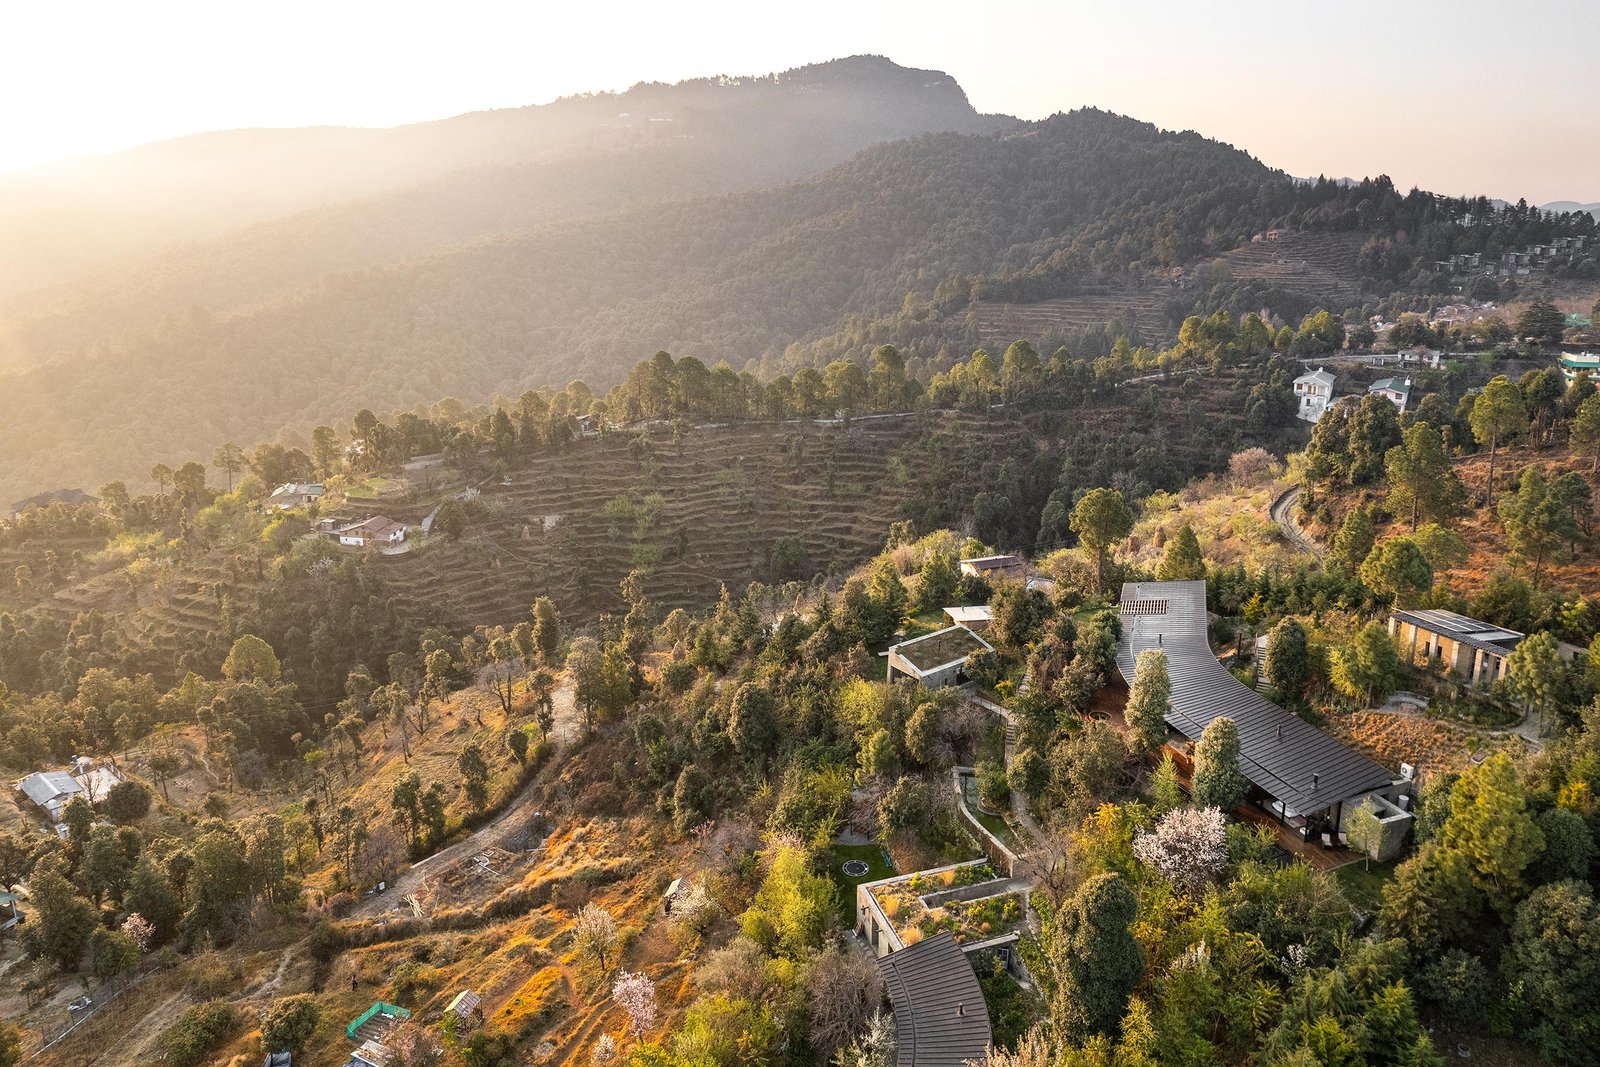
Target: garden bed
(909,904)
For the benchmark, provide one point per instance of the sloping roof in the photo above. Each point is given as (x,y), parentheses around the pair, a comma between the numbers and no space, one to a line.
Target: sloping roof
(54,496)
(1393,385)
(43,787)
(1319,375)
(940,648)
(975,613)
(1469,632)
(995,563)
(377,526)
(464,1003)
(939,1015)
(1280,753)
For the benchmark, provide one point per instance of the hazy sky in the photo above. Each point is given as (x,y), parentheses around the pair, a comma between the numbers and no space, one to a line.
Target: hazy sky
(1464,96)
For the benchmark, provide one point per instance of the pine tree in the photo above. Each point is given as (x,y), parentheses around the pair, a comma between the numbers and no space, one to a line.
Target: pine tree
(1218,782)
(1182,561)
(1288,659)
(1097,961)
(1149,702)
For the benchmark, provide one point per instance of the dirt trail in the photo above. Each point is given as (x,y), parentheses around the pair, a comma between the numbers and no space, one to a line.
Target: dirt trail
(492,832)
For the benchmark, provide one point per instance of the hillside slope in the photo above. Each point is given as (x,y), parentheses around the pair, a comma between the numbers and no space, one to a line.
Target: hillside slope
(722,278)
(60,220)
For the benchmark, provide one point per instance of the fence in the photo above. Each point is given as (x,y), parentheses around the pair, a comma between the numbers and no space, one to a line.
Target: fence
(107,992)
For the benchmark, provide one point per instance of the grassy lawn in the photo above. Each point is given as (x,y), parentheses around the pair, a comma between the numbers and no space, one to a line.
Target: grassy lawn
(833,861)
(1364,887)
(370,489)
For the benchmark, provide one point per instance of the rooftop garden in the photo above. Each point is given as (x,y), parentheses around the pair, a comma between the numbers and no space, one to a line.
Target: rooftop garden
(941,647)
(910,905)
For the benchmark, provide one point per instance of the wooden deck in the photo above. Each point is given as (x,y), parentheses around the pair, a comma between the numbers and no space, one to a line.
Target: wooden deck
(1323,859)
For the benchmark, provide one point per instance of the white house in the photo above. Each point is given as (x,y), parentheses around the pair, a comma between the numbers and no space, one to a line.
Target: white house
(1314,392)
(294,495)
(1395,390)
(376,531)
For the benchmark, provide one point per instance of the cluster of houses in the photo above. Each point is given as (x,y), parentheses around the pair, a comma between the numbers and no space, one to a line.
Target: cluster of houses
(1313,393)
(1526,261)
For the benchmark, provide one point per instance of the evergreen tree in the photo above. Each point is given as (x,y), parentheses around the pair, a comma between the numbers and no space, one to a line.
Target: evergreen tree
(1097,961)
(1218,782)
(1354,541)
(1149,702)
(1490,824)
(1536,521)
(1368,665)
(1182,561)
(1497,416)
(1101,519)
(1421,479)
(1399,568)
(1585,431)
(1288,658)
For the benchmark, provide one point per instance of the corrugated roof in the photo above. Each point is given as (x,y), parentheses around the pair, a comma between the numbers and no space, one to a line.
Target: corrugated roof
(1468,631)
(939,1015)
(1394,385)
(43,787)
(1280,753)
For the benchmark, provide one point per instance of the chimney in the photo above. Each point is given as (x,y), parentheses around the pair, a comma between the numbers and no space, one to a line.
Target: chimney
(1280,731)
(961,1009)
(1315,778)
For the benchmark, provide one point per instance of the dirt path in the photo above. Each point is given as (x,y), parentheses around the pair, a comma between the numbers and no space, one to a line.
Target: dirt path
(490,833)
(1282,513)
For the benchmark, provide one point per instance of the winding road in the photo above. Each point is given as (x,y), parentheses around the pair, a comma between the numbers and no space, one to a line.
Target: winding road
(1282,513)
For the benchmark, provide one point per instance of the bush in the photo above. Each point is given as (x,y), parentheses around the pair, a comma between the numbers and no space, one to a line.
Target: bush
(199,1031)
(290,1022)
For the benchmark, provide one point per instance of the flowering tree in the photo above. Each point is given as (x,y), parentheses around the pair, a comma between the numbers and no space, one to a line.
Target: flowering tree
(1188,847)
(140,929)
(604,1051)
(594,934)
(637,996)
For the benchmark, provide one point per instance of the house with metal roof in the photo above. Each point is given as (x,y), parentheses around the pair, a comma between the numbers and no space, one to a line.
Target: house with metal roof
(1396,391)
(51,791)
(939,1014)
(10,914)
(1301,776)
(936,659)
(1476,651)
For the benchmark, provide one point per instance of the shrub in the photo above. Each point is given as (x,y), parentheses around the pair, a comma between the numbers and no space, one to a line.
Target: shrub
(199,1031)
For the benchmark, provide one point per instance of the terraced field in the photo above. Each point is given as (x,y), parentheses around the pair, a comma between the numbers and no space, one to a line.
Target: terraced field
(701,512)
(1000,323)
(1323,265)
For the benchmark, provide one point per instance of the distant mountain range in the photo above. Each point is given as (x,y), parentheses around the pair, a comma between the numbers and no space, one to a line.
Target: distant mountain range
(1571,205)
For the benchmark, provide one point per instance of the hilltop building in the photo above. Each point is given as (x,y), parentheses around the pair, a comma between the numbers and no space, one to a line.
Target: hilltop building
(377,531)
(936,659)
(1314,392)
(1474,650)
(51,791)
(1305,779)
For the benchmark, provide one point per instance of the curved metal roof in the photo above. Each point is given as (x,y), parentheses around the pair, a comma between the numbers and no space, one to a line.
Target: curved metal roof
(1279,752)
(939,1014)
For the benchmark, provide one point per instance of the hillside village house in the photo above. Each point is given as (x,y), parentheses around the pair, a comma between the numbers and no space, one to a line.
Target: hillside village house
(10,914)
(1306,780)
(992,567)
(1314,391)
(1474,650)
(1573,362)
(50,792)
(376,532)
(1396,391)
(936,659)
(940,1017)
(294,495)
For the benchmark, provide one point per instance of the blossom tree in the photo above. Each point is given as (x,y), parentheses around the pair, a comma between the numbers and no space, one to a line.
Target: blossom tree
(140,929)
(636,995)
(1188,847)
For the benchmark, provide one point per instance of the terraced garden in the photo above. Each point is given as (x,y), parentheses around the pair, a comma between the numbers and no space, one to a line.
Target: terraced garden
(1002,323)
(1323,265)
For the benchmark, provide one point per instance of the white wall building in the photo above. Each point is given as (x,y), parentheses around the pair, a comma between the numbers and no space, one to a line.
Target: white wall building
(1314,392)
